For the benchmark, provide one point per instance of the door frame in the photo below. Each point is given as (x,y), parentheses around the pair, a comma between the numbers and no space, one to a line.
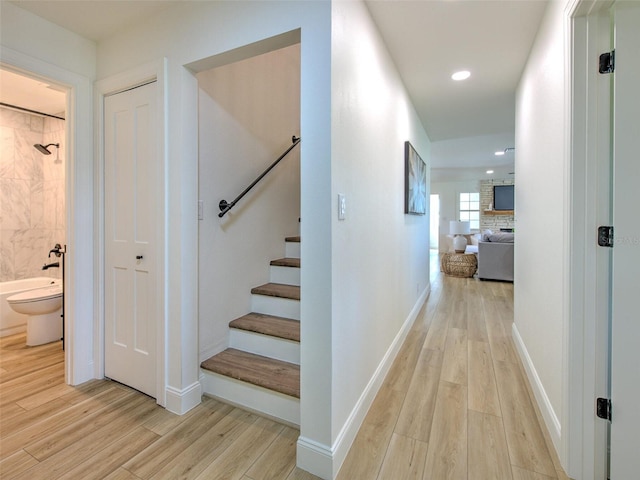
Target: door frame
(79,199)
(153,71)
(437,223)
(584,438)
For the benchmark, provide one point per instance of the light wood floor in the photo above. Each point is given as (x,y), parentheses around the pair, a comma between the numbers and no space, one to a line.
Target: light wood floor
(104,430)
(455,405)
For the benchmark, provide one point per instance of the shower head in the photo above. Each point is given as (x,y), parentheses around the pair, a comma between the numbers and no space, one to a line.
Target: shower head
(44,148)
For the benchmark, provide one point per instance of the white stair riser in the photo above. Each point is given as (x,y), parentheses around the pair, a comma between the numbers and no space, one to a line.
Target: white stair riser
(286,275)
(265,345)
(279,307)
(251,397)
(292,249)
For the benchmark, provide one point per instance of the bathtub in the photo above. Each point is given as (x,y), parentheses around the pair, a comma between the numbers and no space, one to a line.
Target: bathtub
(12,322)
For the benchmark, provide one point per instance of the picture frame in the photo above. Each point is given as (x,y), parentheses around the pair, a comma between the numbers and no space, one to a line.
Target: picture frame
(415,182)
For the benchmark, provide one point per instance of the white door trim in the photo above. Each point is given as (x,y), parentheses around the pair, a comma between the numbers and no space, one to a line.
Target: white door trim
(583,437)
(79,356)
(114,84)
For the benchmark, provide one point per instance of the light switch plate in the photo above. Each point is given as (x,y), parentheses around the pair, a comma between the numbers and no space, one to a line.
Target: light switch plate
(342,207)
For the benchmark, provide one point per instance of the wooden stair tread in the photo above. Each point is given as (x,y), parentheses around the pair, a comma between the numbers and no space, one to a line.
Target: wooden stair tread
(268,325)
(286,262)
(278,290)
(292,239)
(265,372)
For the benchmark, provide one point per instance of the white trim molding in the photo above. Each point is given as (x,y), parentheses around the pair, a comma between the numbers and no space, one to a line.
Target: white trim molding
(583,443)
(79,290)
(181,401)
(550,418)
(315,457)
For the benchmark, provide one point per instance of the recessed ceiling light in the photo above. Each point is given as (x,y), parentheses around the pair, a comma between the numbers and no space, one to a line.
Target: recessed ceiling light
(489,172)
(461,75)
(500,152)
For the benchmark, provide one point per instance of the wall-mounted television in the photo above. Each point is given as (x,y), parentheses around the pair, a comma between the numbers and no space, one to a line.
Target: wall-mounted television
(503,198)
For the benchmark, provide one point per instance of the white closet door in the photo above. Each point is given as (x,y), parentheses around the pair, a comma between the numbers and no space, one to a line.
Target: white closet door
(131,177)
(625,328)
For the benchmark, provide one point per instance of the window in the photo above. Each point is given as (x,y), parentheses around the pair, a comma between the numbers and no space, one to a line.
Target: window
(470,209)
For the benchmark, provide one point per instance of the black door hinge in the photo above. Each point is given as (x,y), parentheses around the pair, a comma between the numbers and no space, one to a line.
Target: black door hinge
(607,63)
(605,236)
(603,408)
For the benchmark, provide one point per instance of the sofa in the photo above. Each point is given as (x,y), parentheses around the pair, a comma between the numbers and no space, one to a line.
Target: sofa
(495,257)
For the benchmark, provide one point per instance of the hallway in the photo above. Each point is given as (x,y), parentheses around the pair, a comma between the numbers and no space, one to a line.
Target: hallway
(455,405)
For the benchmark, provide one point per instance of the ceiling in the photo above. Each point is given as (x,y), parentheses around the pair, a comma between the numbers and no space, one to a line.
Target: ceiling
(467,121)
(428,40)
(31,94)
(95,19)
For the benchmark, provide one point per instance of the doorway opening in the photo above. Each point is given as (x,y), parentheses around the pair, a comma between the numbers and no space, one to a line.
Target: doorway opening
(248,112)
(434,221)
(33,221)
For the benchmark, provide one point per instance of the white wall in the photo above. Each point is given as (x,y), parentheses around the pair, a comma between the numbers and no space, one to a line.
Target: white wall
(380,256)
(248,111)
(449,194)
(541,250)
(31,35)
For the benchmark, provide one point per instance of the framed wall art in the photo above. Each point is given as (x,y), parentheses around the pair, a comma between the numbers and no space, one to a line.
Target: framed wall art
(415,182)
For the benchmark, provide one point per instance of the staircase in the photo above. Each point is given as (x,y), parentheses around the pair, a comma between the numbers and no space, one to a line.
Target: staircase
(260,370)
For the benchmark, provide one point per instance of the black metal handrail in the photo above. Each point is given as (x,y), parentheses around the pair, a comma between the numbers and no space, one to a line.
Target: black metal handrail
(226,206)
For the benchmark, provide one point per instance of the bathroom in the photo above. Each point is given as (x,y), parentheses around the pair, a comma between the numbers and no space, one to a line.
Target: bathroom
(32,185)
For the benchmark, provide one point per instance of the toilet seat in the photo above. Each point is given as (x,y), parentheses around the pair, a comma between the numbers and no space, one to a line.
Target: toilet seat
(36,295)
(43,307)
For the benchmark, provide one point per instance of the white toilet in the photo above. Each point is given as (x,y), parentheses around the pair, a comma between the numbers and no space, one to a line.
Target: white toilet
(43,307)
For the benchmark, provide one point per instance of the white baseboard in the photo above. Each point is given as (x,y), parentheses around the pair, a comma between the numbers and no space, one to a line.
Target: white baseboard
(324,461)
(315,458)
(181,401)
(549,415)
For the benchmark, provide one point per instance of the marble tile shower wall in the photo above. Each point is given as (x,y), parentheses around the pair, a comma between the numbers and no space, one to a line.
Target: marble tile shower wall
(32,195)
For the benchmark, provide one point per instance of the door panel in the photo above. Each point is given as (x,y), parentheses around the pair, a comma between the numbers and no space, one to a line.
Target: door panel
(625,327)
(131,178)
(142,340)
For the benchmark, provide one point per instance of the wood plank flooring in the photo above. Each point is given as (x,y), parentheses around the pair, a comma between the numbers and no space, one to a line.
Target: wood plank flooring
(455,405)
(104,430)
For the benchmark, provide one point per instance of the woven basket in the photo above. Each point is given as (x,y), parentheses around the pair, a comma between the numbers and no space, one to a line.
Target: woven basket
(459,265)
